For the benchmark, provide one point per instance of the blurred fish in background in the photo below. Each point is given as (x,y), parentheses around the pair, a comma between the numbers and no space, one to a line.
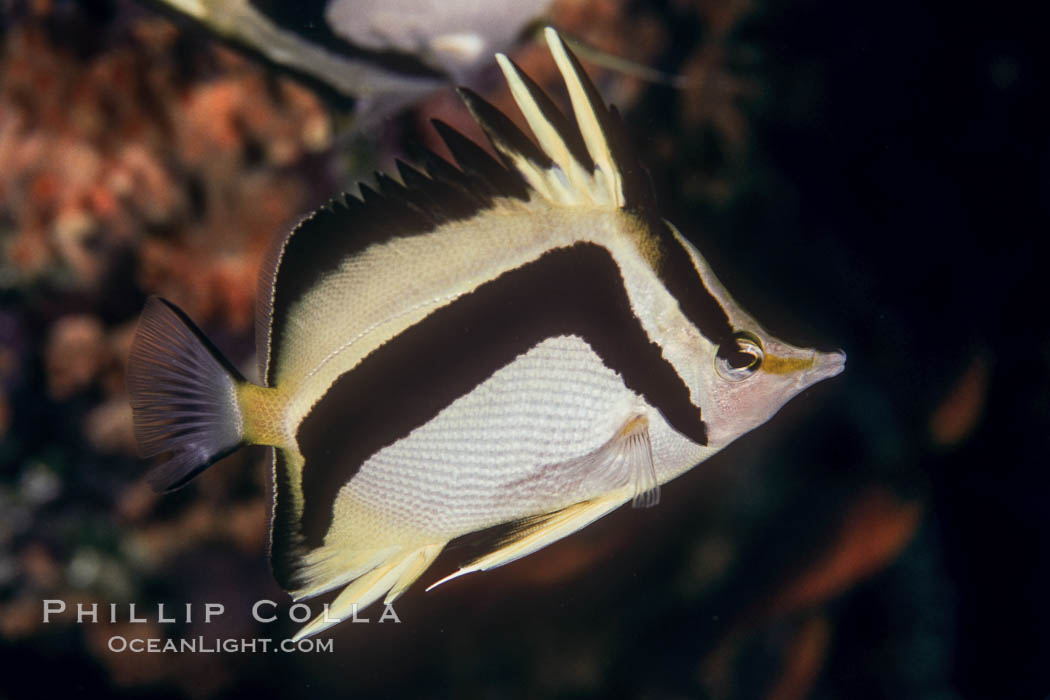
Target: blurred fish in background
(383,54)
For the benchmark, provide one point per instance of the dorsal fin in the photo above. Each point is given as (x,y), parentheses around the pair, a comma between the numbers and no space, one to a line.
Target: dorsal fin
(549,117)
(436,167)
(347,225)
(516,149)
(586,163)
(474,161)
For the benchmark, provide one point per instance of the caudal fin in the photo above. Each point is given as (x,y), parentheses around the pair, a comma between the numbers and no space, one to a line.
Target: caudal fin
(183,396)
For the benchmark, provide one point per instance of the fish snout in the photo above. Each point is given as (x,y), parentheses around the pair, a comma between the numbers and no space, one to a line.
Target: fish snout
(825,366)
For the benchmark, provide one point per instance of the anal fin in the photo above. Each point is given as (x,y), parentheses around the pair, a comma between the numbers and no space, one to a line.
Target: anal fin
(395,574)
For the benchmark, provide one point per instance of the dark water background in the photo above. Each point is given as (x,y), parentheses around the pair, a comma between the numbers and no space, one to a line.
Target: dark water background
(865,176)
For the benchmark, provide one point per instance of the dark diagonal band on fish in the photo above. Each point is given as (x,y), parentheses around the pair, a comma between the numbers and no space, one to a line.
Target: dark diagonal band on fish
(524,343)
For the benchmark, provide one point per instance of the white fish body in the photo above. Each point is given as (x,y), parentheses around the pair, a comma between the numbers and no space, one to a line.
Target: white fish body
(532,347)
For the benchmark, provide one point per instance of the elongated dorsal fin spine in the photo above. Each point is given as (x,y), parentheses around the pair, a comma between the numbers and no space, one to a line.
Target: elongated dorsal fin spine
(574,164)
(543,119)
(587,105)
(519,153)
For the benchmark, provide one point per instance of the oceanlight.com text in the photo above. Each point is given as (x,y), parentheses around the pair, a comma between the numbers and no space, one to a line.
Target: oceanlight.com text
(204,645)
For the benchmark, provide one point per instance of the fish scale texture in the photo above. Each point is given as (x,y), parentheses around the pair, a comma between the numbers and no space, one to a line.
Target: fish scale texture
(370,299)
(481,461)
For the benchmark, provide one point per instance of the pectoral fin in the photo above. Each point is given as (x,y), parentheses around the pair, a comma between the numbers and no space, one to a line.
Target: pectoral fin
(623,467)
(627,459)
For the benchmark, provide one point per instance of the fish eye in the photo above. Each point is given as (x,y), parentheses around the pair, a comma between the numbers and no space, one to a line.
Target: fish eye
(740,358)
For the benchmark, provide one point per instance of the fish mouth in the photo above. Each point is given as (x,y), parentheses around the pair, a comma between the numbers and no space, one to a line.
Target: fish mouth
(825,366)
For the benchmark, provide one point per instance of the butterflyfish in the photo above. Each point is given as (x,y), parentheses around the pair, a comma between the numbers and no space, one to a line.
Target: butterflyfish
(522,342)
(382,53)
